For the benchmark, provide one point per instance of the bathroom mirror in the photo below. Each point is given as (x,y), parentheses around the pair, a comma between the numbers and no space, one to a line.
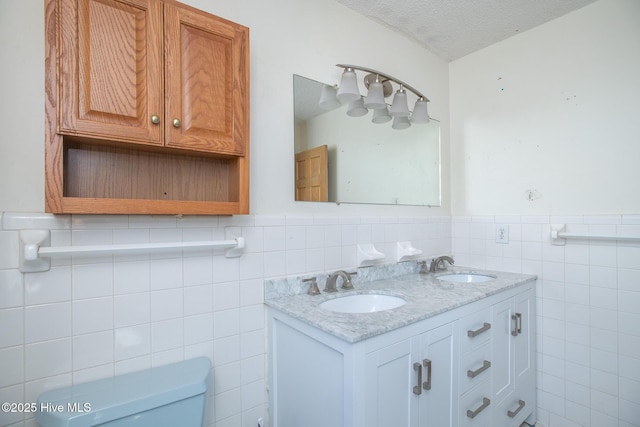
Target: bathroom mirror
(344,159)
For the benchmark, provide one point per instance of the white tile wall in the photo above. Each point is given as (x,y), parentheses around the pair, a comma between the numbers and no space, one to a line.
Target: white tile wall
(588,302)
(90,318)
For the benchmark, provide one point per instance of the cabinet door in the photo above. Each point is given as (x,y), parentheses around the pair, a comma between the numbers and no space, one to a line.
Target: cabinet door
(206,82)
(437,358)
(391,393)
(521,403)
(524,345)
(502,363)
(111,70)
(513,372)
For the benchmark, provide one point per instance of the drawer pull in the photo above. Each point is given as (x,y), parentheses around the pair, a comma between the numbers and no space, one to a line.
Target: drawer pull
(517,327)
(521,405)
(485,365)
(417,389)
(485,402)
(485,328)
(427,384)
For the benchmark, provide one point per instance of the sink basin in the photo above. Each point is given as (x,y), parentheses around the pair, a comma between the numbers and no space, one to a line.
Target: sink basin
(466,277)
(363,303)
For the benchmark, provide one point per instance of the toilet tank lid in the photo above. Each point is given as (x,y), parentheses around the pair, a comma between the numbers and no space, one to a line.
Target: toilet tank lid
(123,395)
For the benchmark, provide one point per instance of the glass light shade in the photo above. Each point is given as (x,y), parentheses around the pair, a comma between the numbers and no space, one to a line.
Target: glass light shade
(399,106)
(381,115)
(420,113)
(348,90)
(375,96)
(356,108)
(401,122)
(328,100)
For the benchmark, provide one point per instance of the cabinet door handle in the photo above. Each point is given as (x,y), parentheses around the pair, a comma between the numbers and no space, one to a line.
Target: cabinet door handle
(485,402)
(417,389)
(521,405)
(517,324)
(485,327)
(155,119)
(427,384)
(485,365)
(176,123)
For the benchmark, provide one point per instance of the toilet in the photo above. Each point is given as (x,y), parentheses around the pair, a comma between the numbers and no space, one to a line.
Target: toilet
(165,396)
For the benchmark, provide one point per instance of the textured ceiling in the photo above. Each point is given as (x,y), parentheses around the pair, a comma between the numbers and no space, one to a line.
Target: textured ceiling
(452,29)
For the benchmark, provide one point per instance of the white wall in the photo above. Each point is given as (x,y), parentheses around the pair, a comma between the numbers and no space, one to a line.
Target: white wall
(553,110)
(22,105)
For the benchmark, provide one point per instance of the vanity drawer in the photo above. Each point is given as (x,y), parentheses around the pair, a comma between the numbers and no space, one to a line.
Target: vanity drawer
(475,407)
(475,330)
(475,367)
(517,406)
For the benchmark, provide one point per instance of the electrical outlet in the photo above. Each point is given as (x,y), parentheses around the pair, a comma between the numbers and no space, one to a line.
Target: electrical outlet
(502,233)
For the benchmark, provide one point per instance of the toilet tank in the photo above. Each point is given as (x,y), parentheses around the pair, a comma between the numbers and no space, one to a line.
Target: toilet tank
(165,396)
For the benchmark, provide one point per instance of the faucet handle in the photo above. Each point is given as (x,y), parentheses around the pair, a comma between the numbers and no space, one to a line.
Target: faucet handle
(347,284)
(423,266)
(313,290)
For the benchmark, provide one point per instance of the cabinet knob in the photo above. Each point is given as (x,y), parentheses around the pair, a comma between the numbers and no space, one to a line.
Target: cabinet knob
(155,119)
(176,123)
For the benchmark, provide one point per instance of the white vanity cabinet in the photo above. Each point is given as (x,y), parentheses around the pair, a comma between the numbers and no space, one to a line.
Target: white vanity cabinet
(404,378)
(460,368)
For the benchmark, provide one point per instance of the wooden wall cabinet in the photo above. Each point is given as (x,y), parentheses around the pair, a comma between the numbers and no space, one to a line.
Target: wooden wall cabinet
(147,108)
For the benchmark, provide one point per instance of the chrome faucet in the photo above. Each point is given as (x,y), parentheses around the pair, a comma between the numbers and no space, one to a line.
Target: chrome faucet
(330,286)
(439,263)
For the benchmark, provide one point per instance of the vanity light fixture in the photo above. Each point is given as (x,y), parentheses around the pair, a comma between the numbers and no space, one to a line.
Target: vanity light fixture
(356,108)
(401,122)
(381,115)
(328,99)
(400,107)
(420,113)
(379,87)
(348,90)
(375,96)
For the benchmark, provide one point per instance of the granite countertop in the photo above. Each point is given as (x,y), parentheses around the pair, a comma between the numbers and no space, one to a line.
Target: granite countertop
(426,296)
